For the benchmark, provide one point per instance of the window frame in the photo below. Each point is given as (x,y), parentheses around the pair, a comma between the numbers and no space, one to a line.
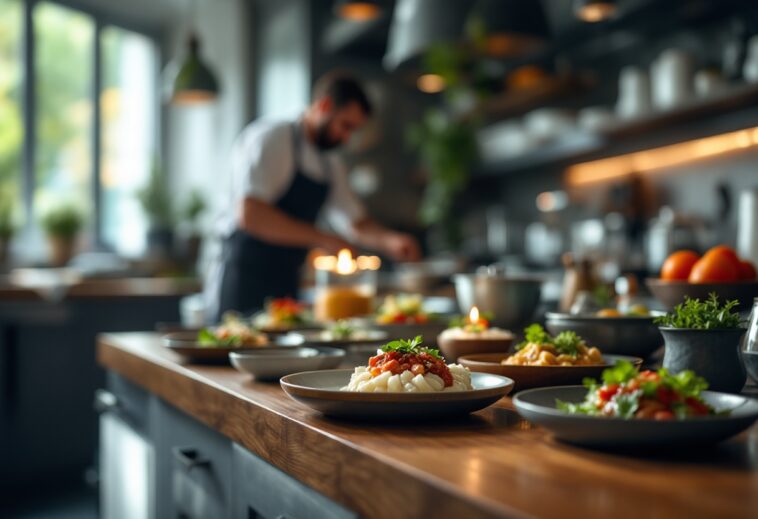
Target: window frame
(101,19)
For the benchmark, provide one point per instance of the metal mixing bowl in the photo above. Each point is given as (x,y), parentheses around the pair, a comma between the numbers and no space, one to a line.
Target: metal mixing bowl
(511,300)
(637,336)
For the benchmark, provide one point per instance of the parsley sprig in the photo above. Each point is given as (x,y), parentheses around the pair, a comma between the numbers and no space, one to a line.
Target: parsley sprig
(695,314)
(412,346)
(566,342)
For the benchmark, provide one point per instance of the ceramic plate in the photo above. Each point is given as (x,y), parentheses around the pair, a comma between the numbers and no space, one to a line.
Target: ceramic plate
(429,330)
(321,391)
(274,363)
(538,406)
(539,376)
(314,338)
(186,345)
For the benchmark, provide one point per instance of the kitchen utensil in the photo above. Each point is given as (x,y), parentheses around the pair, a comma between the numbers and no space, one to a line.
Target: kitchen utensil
(539,407)
(628,335)
(511,300)
(526,377)
(634,93)
(321,391)
(274,363)
(672,79)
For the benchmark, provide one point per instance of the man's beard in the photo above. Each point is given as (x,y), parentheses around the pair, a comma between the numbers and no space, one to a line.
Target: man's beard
(322,139)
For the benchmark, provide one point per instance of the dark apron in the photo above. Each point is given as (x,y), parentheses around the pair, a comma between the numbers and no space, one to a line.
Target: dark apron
(254,270)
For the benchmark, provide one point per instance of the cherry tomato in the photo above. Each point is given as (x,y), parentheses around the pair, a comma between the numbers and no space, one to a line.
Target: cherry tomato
(605,393)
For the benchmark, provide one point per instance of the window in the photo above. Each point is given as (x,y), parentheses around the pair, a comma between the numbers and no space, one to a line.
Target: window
(128,101)
(63,75)
(11,119)
(85,76)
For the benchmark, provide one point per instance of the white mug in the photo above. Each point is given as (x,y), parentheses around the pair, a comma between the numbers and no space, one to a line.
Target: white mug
(750,68)
(634,93)
(672,78)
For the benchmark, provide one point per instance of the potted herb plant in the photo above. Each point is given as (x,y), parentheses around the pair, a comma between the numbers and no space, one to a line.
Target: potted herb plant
(7,226)
(62,225)
(156,202)
(704,336)
(190,215)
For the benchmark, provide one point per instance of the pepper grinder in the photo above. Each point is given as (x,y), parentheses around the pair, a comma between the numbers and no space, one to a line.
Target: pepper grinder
(577,278)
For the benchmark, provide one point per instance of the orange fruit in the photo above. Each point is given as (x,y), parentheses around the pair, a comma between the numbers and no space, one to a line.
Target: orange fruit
(713,268)
(726,252)
(678,265)
(747,271)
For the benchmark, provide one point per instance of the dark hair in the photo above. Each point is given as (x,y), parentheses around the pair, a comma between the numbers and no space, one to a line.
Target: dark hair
(342,89)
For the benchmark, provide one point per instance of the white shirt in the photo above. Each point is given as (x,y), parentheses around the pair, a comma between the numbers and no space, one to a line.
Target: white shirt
(263,167)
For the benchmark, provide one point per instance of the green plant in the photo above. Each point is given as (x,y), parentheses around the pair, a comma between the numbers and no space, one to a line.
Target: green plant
(193,208)
(156,199)
(566,342)
(64,221)
(695,314)
(412,346)
(7,224)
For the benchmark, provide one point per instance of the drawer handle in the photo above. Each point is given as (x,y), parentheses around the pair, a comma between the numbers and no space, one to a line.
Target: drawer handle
(190,458)
(106,401)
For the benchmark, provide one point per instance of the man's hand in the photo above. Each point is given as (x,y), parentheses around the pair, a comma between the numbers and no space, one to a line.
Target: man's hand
(333,244)
(401,247)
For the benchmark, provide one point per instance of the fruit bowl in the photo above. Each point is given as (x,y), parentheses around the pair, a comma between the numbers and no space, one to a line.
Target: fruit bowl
(671,293)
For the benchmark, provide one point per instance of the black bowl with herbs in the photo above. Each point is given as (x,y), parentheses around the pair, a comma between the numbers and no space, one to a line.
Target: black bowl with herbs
(704,336)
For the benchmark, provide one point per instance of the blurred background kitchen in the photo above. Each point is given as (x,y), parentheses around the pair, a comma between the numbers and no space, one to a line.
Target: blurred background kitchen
(505,132)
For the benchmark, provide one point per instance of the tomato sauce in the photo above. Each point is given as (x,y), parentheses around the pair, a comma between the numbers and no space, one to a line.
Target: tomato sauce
(419,364)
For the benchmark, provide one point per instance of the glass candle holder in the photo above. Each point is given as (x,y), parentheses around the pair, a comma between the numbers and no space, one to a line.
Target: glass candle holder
(341,296)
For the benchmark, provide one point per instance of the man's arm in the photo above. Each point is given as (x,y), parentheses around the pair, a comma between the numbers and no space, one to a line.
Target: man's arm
(399,246)
(270,224)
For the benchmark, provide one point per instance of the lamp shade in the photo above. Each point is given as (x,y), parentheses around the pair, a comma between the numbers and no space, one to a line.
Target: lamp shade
(192,81)
(594,10)
(419,24)
(358,10)
(508,28)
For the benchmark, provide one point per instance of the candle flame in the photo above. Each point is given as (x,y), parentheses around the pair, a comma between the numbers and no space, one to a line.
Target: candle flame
(473,315)
(345,262)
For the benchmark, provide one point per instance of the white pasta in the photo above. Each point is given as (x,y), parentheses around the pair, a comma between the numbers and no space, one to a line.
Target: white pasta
(406,382)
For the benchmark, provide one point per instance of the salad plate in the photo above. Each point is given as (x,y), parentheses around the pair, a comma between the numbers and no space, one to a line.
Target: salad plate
(274,363)
(539,407)
(190,345)
(321,390)
(526,377)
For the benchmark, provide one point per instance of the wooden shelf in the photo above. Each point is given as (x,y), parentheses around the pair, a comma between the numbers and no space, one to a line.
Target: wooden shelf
(735,109)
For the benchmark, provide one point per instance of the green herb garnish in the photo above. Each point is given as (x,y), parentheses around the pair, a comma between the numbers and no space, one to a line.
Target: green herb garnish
(695,314)
(342,330)
(207,338)
(412,346)
(566,342)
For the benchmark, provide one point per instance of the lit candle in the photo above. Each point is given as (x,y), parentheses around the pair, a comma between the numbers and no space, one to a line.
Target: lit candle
(476,323)
(346,285)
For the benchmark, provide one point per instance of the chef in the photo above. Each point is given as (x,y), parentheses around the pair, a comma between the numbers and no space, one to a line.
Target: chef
(284,176)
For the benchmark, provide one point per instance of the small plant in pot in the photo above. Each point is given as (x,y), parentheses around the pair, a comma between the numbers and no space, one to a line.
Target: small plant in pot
(704,336)
(7,226)
(156,200)
(62,225)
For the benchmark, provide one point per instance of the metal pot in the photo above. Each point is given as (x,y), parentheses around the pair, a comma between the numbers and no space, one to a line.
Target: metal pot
(511,300)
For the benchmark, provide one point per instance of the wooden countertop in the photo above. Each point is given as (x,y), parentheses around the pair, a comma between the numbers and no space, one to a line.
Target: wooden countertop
(492,464)
(102,288)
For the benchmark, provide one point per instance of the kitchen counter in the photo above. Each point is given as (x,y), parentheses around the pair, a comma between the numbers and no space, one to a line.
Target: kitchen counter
(491,464)
(100,288)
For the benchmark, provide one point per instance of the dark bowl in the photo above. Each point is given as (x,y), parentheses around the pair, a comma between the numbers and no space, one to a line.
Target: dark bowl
(631,335)
(671,293)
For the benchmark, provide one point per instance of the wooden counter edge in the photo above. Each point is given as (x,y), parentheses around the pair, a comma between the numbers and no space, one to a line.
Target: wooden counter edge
(323,461)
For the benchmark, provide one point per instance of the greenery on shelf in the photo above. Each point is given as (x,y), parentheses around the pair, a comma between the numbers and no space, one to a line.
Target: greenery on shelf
(7,223)
(695,314)
(156,200)
(194,207)
(64,221)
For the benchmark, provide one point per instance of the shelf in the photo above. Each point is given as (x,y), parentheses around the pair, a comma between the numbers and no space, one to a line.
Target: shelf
(735,109)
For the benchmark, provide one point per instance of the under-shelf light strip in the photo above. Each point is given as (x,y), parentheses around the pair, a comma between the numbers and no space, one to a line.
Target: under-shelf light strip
(660,158)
